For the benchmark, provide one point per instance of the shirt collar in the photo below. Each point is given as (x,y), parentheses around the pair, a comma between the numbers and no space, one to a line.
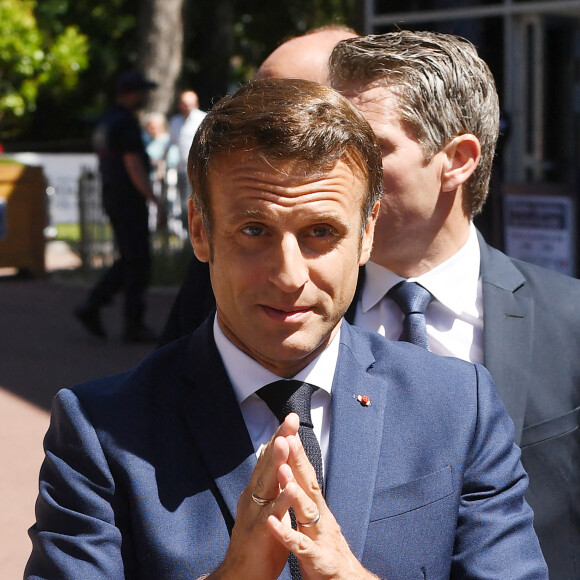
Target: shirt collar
(462,268)
(378,281)
(248,375)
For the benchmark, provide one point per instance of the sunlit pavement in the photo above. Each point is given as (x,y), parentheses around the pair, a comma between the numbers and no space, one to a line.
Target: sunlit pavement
(43,348)
(22,427)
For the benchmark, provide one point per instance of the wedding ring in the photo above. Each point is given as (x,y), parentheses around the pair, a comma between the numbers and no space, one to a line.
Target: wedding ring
(260,500)
(310,523)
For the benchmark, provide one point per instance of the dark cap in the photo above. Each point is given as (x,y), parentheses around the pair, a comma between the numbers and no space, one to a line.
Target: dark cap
(133,80)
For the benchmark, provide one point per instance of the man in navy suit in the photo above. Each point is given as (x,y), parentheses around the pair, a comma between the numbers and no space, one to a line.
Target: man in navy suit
(179,469)
(432,103)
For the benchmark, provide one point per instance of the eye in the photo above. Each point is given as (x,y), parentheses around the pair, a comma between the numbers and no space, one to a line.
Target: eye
(253,230)
(386,147)
(322,232)
(386,150)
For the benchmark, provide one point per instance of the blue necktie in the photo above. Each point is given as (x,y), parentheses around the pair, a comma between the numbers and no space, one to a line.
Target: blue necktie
(412,299)
(285,397)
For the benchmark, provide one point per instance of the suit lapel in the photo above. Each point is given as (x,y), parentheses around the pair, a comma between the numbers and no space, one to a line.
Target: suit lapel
(215,420)
(354,440)
(508,324)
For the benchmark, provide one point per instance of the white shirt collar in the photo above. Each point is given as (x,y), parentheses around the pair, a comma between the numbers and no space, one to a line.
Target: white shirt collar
(463,268)
(247,375)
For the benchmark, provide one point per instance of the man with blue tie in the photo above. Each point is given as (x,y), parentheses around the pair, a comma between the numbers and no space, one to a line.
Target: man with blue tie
(433,105)
(277,441)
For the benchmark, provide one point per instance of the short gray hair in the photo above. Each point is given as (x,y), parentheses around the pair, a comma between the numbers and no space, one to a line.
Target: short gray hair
(443,88)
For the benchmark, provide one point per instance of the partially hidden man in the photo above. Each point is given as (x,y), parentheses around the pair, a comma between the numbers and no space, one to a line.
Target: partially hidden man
(396,463)
(432,102)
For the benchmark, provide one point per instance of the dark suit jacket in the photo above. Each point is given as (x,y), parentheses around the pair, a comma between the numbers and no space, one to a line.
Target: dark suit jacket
(143,470)
(532,350)
(193,304)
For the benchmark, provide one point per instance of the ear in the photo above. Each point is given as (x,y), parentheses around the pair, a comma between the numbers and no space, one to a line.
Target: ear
(197,233)
(463,154)
(368,236)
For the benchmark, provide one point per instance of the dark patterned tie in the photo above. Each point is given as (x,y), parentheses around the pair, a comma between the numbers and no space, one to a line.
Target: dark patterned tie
(412,299)
(285,397)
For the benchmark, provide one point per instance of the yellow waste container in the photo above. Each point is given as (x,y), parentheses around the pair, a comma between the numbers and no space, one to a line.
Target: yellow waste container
(23,217)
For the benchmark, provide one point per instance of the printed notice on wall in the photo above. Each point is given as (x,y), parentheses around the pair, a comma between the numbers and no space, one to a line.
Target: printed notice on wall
(540,229)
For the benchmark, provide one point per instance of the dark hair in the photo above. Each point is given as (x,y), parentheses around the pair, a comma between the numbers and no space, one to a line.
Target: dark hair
(442,87)
(282,120)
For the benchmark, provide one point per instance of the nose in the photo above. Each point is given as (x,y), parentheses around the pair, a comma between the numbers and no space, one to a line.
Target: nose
(290,269)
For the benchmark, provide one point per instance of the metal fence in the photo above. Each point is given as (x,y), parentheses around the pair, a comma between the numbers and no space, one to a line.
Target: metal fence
(97,248)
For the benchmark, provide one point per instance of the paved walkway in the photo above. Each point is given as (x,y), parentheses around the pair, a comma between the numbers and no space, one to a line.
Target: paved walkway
(43,348)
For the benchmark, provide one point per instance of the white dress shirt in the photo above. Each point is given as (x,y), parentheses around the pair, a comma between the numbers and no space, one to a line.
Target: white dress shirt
(247,376)
(455,316)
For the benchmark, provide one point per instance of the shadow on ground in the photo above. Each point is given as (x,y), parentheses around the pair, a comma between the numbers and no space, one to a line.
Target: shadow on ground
(43,347)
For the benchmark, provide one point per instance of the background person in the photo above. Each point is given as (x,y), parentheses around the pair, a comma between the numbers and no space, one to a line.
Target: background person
(164,158)
(126,192)
(157,143)
(305,56)
(182,128)
(433,105)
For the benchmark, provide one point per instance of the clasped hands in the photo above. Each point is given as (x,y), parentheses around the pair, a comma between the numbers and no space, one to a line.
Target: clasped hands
(263,535)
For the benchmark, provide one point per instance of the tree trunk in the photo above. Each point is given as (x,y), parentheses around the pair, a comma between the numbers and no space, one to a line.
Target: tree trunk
(211,49)
(161,49)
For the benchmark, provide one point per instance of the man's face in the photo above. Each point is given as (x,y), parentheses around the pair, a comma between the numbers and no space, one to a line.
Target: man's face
(286,250)
(411,186)
(187,102)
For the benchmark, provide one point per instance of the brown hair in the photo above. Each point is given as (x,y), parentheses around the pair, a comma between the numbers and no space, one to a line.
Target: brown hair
(286,119)
(443,88)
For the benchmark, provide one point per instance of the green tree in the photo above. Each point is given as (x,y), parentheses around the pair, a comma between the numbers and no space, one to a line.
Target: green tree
(31,58)
(161,48)
(224,41)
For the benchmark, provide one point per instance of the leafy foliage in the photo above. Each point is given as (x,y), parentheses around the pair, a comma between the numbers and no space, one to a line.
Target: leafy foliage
(31,58)
(59,58)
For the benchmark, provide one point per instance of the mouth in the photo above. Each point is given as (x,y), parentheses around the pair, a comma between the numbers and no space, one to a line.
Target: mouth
(286,313)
